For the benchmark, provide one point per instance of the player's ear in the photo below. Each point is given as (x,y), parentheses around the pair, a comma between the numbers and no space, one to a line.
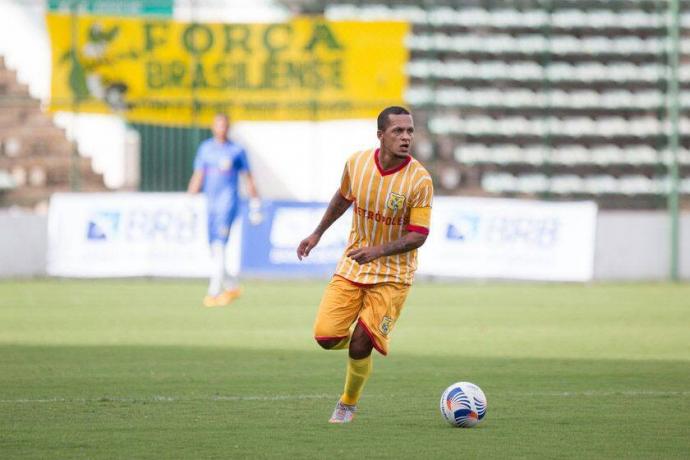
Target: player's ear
(379,134)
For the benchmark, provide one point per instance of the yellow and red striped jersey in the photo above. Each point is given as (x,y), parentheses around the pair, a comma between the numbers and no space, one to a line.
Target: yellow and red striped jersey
(387,205)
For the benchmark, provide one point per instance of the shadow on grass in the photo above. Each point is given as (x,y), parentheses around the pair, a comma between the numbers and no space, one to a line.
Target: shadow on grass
(197,402)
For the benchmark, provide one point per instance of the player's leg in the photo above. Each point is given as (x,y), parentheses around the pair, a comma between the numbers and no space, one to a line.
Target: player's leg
(338,310)
(230,289)
(215,247)
(215,284)
(218,232)
(382,304)
(359,366)
(360,344)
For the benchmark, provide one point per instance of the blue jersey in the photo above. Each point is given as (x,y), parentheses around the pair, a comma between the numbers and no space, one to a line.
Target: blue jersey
(221,165)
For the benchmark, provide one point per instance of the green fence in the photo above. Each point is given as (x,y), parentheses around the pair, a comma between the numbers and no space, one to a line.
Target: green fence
(166,155)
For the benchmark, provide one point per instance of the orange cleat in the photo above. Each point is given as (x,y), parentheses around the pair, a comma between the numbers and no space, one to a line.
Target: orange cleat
(228,296)
(210,301)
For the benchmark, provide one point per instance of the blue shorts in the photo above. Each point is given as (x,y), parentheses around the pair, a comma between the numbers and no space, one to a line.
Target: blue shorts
(219,223)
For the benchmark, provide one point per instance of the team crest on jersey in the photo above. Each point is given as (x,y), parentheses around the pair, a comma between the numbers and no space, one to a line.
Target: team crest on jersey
(385,326)
(225,164)
(395,201)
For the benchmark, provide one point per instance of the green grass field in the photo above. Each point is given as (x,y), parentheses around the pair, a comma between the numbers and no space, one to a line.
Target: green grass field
(137,369)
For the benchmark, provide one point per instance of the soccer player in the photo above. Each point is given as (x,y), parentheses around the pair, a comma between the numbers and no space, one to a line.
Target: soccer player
(392,194)
(217,166)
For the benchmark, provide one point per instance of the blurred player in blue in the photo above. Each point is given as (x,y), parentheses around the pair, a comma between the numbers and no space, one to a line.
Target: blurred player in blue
(217,167)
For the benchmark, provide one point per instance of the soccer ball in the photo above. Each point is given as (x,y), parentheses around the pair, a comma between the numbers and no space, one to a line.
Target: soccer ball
(463,404)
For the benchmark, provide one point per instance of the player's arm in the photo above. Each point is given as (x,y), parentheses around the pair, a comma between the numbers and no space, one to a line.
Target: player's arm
(255,215)
(408,242)
(251,186)
(196,181)
(242,164)
(336,208)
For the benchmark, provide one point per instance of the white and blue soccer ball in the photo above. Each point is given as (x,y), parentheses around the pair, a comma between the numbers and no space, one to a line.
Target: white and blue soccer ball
(463,404)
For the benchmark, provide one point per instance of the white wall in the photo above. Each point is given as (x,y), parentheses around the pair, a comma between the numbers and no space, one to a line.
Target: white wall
(23,244)
(302,160)
(634,245)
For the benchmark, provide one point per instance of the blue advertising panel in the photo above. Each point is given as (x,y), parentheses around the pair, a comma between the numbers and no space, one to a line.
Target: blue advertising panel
(270,248)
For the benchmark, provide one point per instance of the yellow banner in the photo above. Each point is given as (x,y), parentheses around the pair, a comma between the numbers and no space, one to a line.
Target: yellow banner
(163,71)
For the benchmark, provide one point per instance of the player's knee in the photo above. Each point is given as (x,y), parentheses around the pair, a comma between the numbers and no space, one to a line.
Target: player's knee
(327,344)
(360,345)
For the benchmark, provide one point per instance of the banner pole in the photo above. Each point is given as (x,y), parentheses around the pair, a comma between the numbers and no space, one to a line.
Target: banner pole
(673,141)
(75,173)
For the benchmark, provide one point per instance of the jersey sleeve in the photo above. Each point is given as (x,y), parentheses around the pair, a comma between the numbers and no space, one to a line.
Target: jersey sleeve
(199,159)
(346,184)
(420,207)
(242,162)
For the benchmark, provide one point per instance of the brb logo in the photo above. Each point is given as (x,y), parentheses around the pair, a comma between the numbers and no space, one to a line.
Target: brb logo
(503,230)
(103,225)
(143,225)
(289,226)
(463,227)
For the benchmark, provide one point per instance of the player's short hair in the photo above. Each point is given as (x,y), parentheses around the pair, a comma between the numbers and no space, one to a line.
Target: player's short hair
(383,119)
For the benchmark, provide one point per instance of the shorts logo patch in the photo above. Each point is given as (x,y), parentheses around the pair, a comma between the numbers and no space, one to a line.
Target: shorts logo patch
(385,326)
(395,201)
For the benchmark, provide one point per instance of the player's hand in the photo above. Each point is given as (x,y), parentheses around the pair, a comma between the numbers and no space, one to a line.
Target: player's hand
(255,216)
(307,245)
(365,255)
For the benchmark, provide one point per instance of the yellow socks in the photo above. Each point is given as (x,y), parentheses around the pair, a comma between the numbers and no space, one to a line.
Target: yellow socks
(358,371)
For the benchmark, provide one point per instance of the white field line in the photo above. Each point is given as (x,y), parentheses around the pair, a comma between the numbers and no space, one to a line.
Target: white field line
(161,398)
(595,393)
(164,399)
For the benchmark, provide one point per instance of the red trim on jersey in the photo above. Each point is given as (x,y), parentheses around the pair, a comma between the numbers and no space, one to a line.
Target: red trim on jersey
(417,229)
(323,337)
(371,337)
(344,197)
(385,172)
(355,283)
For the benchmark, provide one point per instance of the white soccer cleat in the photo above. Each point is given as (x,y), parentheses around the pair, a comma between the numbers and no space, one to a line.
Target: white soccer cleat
(343,413)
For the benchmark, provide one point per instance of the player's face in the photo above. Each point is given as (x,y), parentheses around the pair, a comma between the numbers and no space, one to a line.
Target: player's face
(398,135)
(220,127)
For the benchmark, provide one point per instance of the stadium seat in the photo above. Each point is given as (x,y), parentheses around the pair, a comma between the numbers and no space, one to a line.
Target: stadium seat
(636,185)
(570,155)
(601,184)
(532,183)
(566,184)
(642,155)
(507,154)
(607,155)
(535,155)
(450,178)
(684,186)
(499,183)
(6,180)
(472,153)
